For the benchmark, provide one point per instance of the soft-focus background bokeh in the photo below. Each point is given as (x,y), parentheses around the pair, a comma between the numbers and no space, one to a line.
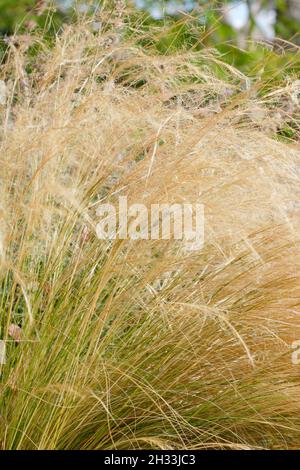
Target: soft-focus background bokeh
(250,34)
(260,19)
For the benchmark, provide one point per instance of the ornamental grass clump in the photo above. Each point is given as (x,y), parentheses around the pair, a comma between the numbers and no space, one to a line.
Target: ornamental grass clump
(129,344)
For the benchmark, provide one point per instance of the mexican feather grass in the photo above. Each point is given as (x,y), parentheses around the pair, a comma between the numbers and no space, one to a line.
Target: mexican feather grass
(141,343)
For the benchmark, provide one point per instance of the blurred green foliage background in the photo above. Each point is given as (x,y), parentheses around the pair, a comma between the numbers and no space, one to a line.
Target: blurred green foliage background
(26,14)
(250,34)
(286,23)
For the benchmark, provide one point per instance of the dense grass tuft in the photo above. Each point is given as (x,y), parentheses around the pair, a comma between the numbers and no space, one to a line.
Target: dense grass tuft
(141,344)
